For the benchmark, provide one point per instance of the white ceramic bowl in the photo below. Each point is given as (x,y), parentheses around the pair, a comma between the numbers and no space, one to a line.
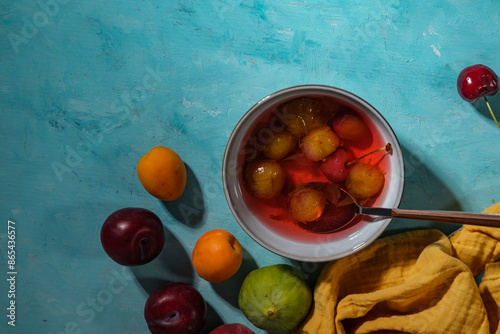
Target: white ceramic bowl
(322,247)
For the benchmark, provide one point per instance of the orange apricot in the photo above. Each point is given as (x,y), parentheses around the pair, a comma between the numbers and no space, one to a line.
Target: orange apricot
(162,173)
(217,255)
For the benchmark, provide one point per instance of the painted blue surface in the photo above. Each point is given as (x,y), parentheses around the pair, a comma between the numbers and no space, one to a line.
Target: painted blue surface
(86,88)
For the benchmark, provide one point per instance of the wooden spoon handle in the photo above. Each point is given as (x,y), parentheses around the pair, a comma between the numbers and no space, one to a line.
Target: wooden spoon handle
(481,219)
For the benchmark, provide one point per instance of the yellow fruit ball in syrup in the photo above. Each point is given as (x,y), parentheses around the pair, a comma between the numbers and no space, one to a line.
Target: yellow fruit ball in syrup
(279,145)
(306,204)
(302,115)
(364,181)
(320,143)
(264,178)
(350,127)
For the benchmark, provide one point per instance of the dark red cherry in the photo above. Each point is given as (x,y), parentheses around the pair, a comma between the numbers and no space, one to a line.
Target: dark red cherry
(476,81)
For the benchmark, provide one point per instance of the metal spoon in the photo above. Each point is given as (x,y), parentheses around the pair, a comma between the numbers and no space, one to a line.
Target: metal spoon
(480,219)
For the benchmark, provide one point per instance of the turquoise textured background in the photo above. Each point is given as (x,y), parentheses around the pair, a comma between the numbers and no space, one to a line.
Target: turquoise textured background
(88,87)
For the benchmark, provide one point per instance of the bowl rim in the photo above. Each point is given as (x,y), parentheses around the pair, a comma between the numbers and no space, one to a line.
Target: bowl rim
(230,143)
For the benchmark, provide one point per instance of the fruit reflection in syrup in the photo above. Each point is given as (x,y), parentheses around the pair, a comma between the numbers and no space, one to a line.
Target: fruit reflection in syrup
(297,158)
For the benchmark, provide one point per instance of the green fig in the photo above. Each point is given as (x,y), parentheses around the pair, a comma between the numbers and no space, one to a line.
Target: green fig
(275,298)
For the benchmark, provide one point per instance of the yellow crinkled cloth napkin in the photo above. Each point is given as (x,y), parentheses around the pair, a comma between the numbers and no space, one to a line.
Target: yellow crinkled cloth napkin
(414,282)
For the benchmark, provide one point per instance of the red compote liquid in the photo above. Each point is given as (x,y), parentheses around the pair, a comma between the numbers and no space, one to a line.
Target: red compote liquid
(298,156)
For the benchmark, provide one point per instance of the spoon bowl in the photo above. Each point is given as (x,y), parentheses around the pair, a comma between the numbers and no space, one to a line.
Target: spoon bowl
(267,222)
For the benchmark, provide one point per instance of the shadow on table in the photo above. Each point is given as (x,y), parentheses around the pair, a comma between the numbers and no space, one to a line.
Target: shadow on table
(213,320)
(230,288)
(423,191)
(311,270)
(172,265)
(482,108)
(188,209)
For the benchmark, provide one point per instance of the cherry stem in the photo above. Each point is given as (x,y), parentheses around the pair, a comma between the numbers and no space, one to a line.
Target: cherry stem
(491,111)
(386,148)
